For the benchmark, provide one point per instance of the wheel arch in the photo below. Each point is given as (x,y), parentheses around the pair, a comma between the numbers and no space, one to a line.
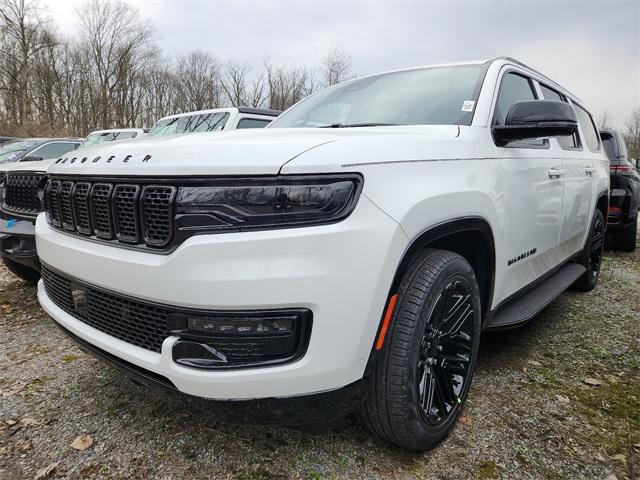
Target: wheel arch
(472,238)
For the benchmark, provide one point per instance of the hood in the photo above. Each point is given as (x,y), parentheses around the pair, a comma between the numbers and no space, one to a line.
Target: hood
(40,166)
(248,152)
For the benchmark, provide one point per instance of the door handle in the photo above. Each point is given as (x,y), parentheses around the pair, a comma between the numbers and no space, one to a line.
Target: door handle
(589,170)
(555,172)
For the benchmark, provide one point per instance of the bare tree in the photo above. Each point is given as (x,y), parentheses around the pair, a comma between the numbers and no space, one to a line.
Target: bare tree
(24,33)
(234,83)
(112,73)
(604,120)
(117,41)
(197,82)
(257,92)
(632,133)
(287,85)
(336,66)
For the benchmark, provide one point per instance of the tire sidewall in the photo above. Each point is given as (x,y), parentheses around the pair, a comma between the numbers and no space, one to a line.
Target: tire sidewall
(457,269)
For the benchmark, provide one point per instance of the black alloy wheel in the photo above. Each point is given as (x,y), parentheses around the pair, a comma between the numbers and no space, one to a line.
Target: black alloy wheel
(445,353)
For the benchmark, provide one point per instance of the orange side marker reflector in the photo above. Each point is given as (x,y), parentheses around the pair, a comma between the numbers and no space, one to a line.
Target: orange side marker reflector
(385,322)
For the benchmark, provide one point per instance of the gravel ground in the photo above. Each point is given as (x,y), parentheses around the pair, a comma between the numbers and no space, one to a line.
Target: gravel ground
(558,398)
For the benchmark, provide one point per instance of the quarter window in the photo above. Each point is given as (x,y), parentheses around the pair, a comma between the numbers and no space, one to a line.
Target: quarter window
(588,128)
(253,123)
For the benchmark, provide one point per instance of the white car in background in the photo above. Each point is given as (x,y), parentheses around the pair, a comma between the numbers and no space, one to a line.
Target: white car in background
(112,135)
(217,119)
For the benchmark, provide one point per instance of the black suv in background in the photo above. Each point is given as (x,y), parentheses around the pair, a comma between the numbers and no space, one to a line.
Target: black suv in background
(622,220)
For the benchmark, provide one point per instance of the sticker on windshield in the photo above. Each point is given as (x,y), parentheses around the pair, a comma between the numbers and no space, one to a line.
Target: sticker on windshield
(467,105)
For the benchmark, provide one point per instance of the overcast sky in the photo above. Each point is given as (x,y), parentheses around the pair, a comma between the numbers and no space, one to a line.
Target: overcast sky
(590,47)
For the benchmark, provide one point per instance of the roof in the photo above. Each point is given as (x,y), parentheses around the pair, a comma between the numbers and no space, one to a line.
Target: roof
(260,111)
(248,110)
(113,130)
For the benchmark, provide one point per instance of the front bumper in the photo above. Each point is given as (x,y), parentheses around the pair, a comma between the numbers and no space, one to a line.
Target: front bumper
(341,272)
(18,242)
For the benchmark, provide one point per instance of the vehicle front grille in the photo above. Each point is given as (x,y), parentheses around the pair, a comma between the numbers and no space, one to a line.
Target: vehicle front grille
(23,193)
(128,213)
(138,323)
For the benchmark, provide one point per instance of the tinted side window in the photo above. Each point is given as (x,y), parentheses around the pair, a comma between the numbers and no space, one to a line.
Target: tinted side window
(565,141)
(514,88)
(610,149)
(622,147)
(53,150)
(549,94)
(253,123)
(588,128)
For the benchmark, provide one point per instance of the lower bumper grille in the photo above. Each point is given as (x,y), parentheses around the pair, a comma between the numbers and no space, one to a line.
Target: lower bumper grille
(141,324)
(147,325)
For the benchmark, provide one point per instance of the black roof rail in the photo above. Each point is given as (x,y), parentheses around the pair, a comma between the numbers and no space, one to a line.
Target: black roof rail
(259,111)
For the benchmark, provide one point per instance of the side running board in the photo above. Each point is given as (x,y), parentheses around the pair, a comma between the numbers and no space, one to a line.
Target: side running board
(524,308)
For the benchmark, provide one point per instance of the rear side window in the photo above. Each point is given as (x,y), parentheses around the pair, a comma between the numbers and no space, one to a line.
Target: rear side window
(591,137)
(567,142)
(253,123)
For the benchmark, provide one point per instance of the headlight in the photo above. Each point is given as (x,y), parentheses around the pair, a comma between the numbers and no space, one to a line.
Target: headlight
(264,203)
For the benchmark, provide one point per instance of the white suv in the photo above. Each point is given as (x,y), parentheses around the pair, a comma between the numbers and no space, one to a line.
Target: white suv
(345,258)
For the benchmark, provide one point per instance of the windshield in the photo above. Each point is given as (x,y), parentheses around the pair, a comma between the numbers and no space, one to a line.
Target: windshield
(10,152)
(101,137)
(204,122)
(427,96)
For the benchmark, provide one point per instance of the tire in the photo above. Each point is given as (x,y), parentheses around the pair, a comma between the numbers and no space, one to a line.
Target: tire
(591,256)
(23,272)
(625,239)
(421,351)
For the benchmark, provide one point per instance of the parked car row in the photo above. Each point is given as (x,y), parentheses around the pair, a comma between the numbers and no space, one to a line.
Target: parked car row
(344,259)
(27,161)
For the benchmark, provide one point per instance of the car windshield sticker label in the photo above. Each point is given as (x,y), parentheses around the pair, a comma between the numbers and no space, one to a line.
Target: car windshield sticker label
(467,105)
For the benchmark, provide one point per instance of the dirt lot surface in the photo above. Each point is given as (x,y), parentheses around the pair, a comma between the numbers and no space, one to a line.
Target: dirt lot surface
(556,399)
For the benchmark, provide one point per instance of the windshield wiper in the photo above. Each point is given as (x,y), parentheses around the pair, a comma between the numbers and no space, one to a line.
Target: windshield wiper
(352,125)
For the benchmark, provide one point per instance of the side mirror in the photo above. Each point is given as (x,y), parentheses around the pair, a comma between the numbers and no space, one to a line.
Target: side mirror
(536,119)
(31,158)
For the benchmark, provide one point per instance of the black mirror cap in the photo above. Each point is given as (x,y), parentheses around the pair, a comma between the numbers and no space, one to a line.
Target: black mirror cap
(539,111)
(536,119)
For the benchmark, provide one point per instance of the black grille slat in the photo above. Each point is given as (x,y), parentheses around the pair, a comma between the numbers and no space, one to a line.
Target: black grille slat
(80,199)
(101,210)
(157,214)
(126,213)
(23,193)
(52,203)
(66,214)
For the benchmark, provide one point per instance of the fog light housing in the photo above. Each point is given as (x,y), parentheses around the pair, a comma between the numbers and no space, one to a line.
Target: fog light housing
(222,340)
